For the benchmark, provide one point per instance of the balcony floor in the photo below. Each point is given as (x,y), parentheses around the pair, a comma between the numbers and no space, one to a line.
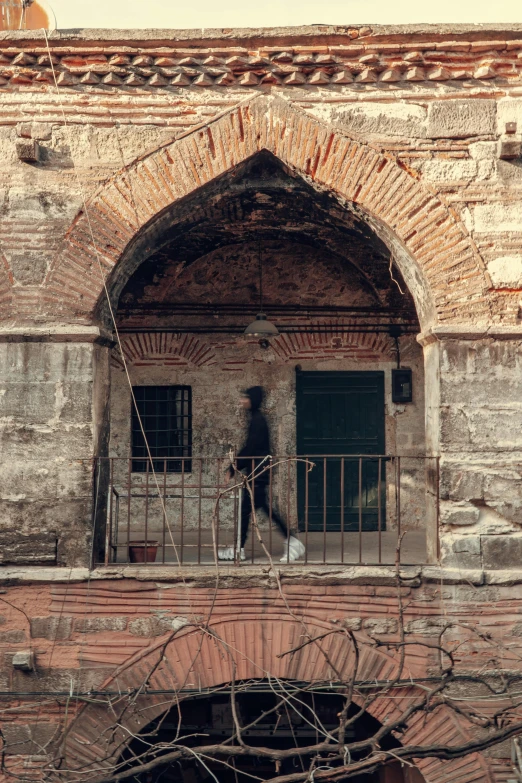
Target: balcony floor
(329,548)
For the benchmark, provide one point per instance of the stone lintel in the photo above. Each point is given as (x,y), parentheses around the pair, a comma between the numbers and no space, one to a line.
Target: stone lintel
(470,332)
(244,576)
(167,36)
(55,333)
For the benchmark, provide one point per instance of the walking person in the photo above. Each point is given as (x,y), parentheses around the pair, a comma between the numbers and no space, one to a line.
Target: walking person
(257,445)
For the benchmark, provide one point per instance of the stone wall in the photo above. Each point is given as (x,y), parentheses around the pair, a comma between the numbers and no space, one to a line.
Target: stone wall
(414,132)
(52,400)
(80,635)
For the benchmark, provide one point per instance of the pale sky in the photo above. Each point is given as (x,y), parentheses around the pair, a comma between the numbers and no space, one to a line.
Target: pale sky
(274,13)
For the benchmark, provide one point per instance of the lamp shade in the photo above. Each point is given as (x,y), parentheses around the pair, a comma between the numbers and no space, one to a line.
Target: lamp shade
(261,327)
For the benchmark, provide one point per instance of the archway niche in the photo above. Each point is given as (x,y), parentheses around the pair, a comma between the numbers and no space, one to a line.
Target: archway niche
(278,715)
(251,648)
(185,289)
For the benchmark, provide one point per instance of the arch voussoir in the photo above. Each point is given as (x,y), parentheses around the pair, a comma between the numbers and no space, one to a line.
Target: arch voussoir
(239,649)
(429,233)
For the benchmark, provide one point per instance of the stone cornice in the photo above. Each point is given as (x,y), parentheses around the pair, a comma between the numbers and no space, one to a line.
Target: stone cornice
(470,332)
(292,57)
(54,333)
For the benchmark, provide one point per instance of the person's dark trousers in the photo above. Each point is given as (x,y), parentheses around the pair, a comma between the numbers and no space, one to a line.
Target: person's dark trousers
(260,503)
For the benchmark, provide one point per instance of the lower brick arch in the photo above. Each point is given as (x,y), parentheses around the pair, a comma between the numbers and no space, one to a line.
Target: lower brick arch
(248,647)
(432,247)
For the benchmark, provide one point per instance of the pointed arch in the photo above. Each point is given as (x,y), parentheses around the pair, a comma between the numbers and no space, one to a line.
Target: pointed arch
(199,659)
(432,247)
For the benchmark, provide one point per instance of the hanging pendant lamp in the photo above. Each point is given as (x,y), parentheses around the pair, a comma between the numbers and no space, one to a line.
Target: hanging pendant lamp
(261,327)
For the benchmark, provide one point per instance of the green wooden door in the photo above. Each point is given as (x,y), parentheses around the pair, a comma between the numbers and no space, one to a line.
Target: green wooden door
(341,413)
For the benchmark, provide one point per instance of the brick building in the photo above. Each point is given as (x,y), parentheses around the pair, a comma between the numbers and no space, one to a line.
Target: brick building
(363,187)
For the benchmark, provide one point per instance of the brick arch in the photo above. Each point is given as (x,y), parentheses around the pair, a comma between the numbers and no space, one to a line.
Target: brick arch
(197,660)
(433,250)
(164,348)
(299,346)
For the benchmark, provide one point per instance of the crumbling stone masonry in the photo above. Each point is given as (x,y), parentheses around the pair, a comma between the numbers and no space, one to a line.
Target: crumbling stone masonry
(376,167)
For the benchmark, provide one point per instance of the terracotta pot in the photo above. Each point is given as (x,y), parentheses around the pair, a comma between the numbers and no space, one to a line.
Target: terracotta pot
(143,551)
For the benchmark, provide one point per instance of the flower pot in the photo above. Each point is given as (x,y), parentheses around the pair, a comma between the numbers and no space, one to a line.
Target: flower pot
(143,551)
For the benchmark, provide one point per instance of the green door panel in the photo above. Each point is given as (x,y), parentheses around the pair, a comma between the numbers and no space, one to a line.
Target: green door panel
(341,414)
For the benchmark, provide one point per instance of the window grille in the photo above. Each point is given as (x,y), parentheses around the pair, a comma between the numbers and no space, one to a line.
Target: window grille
(166,416)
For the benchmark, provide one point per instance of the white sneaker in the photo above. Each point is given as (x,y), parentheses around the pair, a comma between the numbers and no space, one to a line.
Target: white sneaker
(230,553)
(294,549)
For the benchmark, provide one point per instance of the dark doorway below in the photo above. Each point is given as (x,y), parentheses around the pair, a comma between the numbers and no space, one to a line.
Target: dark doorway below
(207,719)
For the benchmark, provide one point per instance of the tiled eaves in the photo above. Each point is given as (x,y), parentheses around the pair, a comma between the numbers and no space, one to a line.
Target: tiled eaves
(367,62)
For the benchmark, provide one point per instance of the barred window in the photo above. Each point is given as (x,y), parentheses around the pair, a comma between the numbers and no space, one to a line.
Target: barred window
(166,416)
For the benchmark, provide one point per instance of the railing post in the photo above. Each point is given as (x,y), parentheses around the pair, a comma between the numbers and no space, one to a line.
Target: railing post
(182,531)
(108,528)
(306,512)
(360,509)
(324,509)
(200,482)
(147,513)
(342,509)
(379,510)
(164,509)
(129,490)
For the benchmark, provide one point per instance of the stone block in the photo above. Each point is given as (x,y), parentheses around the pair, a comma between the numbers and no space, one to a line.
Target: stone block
(459,119)
(467,594)
(13,637)
(52,628)
(25,739)
(502,551)
(506,271)
(24,661)
(28,267)
(28,548)
(482,428)
(461,482)
(460,551)
(28,150)
(156,626)
(35,130)
(47,403)
(46,362)
(509,110)
(146,626)
(380,626)
(497,218)
(351,623)
(483,150)
(449,170)
(459,516)
(509,149)
(391,119)
(427,626)
(97,624)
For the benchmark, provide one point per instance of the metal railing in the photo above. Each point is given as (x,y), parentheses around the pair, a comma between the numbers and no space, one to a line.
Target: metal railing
(346,509)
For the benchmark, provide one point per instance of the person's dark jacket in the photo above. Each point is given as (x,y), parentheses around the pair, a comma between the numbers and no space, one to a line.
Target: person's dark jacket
(258,438)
